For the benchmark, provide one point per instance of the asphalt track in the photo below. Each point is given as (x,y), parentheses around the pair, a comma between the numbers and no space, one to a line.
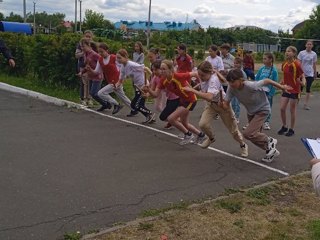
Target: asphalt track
(65,170)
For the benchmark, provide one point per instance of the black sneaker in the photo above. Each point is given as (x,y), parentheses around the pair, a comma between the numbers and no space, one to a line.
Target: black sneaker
(108,105)
(101,108)
(116,108)
(132,113)
(283,130)
(290,133)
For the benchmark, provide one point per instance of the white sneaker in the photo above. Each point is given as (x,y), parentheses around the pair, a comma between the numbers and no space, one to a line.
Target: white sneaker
(216,117)
(272,143)
(244,151)
(187,139)
(270,158)
(199,139)
(206,143)
(266,126)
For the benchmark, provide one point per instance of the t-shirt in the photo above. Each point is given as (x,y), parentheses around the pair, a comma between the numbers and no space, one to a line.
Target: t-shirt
(135,71)
(184,64)
(138,57)
(268,72)
(216,62)
(175,85)
(291,74)
(91,58)
(213,85)
(228,61)
(252,96)
(307,60)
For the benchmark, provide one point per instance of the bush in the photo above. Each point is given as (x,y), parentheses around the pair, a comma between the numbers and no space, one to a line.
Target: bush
(200,55)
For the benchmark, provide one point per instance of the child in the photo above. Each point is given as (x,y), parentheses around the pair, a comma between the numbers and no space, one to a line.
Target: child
(253,97)
(210,91)
(315,173)
(214,59)
(183,60)
(268,71)
(138,54)
(248,64)
(308,59)
(174,82)
(107,66)
(136,72)
(93,79)
(292,76)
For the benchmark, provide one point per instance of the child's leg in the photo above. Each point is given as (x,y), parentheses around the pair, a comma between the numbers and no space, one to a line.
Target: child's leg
(138,104)
(293,112)
(95,87)
(121,94)
(173,119)
(236,107)
(283,107)
(270,99)
(253,131)
(228,119)
(85,82)
(205,122)
(170,107)
(104,94)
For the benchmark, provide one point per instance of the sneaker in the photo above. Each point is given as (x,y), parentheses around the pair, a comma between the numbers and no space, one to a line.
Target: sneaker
(116,108)
(216,117)
(266,126)
(108,106)
(200,138)
(269,159)
(84,103)
(283,130)
(132,113)
(245,126)
(271,148)
(187,139)
(101,108)
(90,103)
(206,143)
(168,126)
(290,133)
(150,118)
(305,107)
(244,150)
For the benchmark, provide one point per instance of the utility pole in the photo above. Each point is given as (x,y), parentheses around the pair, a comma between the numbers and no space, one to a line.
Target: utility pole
(34,18)
(75,15)
(80,1)
(24,11)
(148,29)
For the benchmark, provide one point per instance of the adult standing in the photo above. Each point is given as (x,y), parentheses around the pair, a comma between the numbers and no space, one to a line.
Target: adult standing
(308,59)
(7,53)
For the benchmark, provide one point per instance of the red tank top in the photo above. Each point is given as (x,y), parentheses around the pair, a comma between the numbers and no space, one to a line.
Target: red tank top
(110,70)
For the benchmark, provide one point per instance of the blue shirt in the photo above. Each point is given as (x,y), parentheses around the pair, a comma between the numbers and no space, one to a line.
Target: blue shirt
(271,73)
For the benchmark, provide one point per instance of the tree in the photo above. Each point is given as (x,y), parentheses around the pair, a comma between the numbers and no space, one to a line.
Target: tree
(93,20)
(47,20)
(1,16)
(14,18)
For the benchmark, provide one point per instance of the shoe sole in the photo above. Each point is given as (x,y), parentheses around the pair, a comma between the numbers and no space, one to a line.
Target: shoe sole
(270,159)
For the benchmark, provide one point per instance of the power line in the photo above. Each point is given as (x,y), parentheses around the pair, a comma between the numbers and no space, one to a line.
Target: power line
(296,39)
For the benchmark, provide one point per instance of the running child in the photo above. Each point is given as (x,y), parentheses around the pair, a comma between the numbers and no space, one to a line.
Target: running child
(294,77)
(253,97)
(211,89)
(137,73)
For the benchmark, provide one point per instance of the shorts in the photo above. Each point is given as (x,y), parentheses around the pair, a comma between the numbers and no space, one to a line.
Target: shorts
(188,105)
(290,95)
(309,81)
(170,107)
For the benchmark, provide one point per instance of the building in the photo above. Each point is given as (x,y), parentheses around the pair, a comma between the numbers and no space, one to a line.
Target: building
(163,26)
(297,27)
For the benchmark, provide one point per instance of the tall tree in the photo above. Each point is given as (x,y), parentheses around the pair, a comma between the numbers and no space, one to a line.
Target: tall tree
(311,28)
(93,19)
(14,18)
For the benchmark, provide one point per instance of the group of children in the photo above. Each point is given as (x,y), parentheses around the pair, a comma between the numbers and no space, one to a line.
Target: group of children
(221,81)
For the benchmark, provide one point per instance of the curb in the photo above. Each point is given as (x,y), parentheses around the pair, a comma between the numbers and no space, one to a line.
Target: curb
(40,96)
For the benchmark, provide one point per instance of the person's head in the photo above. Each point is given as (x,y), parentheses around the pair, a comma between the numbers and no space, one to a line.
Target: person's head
(268,59)
(238,63)
(86,44)
(291,52)
(138,47)
(156,65)
(213,51)
(88,34)
(205,70)
(166,68)
(103,50)
(225,49)
(153,54)
(309,45)
(122,56)
(235,78)
(182,49)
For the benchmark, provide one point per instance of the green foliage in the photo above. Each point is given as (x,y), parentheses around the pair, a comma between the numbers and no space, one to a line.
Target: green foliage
(232,206)
(191,52)
(314,229)
(47,20)
(72,236)
(170,53)
(93,20)
(200,54)
(13,18)
(261,195)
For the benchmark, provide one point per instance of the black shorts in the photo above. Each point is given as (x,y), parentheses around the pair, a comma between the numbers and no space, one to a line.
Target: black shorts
(290,95)
(170,107)
(188,105)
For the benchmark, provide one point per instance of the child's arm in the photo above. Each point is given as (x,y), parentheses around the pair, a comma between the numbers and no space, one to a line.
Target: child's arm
(205,96)
(222,79)
(153,93)
(277,85)
(315,172)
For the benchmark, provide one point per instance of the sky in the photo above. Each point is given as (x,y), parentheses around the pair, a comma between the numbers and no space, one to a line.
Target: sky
(268,14)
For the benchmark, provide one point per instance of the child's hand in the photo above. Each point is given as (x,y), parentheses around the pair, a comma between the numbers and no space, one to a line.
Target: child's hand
(187,88)
(286,88)
(145,89)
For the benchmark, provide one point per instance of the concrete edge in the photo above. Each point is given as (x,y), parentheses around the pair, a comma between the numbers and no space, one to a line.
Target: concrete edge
(40,96)
(137,221)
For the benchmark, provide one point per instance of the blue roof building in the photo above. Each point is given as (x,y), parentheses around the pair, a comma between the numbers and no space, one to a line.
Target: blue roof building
(163,26)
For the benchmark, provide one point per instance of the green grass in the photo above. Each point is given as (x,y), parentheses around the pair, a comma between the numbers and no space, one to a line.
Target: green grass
(157,212)
(314,229)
